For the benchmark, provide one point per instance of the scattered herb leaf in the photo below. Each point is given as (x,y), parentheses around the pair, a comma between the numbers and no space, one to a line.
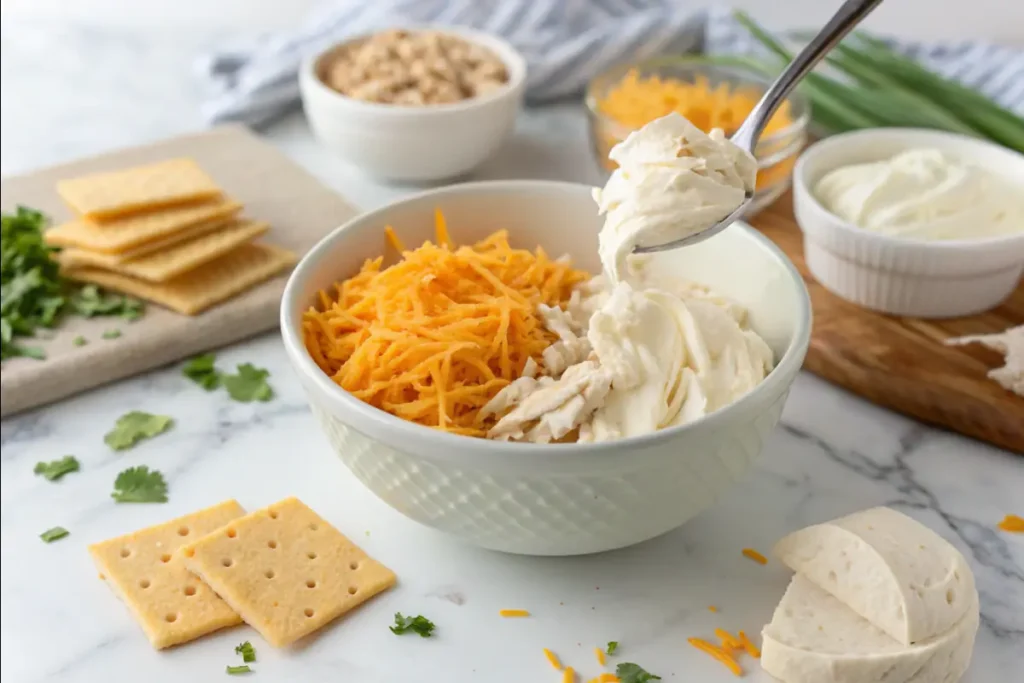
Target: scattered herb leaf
(55,469)
(202,371)
(90,301)
(240,669)
(79,341)
(633,673)
(112,334)
(54,534)
(250,384)
(133,427)
(418,624)
(613,645)
(247,651)
(140,485)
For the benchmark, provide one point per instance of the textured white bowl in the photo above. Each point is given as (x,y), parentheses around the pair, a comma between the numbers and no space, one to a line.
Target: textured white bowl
(559,499)
(415,144)
(899,276)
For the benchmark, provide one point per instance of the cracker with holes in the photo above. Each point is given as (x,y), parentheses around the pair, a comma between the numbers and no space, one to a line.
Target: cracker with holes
(145,571)
(286,571)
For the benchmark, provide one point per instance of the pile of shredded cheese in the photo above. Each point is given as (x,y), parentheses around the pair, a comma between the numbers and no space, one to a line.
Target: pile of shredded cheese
(434,337)
(730,647)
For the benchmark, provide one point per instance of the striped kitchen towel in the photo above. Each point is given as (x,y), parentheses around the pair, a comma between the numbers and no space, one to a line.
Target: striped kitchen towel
(565,43)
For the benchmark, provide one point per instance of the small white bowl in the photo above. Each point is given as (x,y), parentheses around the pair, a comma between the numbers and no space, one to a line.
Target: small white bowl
(557,499)
(899,276)
(410,143)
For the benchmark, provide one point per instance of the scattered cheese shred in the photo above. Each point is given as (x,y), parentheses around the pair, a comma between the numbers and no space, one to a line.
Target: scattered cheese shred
(607,678)
(513,613)
(729,642)
(569,676)
(436,336)
(712,608)
(599,653)
(718,653)
(393,239)
(752,554)
(1012,523)
(751,649)
(552,659)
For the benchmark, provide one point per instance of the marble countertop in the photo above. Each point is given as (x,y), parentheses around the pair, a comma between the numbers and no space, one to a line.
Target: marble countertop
(70,89)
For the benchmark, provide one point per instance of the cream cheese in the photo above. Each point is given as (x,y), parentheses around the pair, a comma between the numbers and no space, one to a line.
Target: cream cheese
(923,194)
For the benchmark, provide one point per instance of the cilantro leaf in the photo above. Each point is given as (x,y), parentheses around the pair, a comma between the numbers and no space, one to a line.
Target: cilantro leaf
(133,427)
(632,673)
(201,371)
(54,534)
(240,669)
(418,624)
(613,645)
(79,341)
(113,333)
(250,384)
(140,485)
(90,301)
(247,651)
(56,469)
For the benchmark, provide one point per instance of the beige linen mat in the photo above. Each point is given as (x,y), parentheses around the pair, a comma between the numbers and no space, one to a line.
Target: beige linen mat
(299,209)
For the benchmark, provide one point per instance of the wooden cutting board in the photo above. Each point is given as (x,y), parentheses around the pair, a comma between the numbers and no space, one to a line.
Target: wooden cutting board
(902,363)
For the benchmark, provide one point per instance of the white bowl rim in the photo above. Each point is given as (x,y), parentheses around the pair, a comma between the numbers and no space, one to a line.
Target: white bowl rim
(825,146)
(446,444)
(513,60)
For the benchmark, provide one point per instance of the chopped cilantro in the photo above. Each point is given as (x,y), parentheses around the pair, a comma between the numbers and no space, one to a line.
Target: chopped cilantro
(250,384)
(247,651)
(133,427)
(240,669)
(112,333)
(419,624)
(90,301)
(79,341)
(613,645)
(202,371)
(54,534)
(140,485)
(56,469)
(632,673)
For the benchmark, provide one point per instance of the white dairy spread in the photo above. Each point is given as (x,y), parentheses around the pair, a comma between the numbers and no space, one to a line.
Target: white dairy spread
(877,597)
(1009,343)
(673,180)
(636,352)
(923,194)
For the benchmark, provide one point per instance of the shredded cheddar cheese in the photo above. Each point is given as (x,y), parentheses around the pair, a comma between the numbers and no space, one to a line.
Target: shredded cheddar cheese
(729,642)
(607,678)
(752,554)
(393,239)
(751,649)
(552,659)
(718,653)
(512,613)
(599,653)
(434,337)
(569,676)
(712,608)
(1012,523)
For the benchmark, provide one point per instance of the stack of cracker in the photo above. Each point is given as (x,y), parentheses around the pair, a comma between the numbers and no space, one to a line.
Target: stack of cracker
(165,233)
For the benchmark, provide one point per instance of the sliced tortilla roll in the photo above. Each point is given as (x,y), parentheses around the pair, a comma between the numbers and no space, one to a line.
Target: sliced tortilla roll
(814,638)
(891,570)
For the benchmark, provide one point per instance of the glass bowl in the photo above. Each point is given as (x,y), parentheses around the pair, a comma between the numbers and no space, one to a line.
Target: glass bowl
(776,152)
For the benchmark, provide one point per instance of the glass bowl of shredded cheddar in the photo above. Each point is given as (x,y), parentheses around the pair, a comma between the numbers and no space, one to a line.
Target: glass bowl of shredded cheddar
(627,97)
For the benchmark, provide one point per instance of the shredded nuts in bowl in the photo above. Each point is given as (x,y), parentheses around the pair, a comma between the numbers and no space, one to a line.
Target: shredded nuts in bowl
(412,68)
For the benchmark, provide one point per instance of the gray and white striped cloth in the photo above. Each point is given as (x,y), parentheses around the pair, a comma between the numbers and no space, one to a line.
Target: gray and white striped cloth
(565,43)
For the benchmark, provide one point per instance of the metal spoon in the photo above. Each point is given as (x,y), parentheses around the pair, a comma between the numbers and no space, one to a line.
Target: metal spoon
(746,136)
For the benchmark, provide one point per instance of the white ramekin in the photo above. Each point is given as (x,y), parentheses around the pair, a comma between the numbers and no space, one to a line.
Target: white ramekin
(559,499)
(415,144)
(898,276)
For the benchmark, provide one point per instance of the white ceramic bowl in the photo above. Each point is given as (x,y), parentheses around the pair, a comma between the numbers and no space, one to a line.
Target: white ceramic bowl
(899,276)
(559,499)
(415,144)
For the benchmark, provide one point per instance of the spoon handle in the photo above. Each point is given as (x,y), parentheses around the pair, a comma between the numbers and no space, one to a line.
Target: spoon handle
(849,15)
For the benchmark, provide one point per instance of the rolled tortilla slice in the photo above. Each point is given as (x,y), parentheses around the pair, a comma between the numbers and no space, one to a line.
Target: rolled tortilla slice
(814,638)
(891,570)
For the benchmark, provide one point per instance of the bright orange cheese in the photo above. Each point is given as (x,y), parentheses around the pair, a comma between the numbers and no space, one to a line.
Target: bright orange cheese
(752,554)
(718,653)
(434,337)
(1012,523)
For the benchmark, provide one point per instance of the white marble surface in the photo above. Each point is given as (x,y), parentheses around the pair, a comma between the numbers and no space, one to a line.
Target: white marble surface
(70,89)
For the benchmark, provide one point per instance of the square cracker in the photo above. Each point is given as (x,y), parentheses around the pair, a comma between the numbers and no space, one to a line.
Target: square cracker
(133,233)
(102,196)
(180,258)
(199,289)
(286,571)
(145,572)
